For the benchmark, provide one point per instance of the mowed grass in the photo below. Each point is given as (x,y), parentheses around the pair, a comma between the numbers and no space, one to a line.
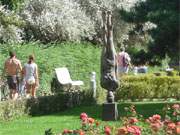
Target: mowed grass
(69,119)
(80,58)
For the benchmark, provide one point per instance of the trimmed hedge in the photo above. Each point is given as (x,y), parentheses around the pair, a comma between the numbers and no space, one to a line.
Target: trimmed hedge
(43,105)
(148,86)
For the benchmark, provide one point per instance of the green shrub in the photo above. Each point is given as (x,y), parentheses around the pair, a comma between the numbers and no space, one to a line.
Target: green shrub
(43,105)
(148,86)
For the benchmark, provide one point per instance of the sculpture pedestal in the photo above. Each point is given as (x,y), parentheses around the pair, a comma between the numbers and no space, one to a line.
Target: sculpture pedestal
(110,112)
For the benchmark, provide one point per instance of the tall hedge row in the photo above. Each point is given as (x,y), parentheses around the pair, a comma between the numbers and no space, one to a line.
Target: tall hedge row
(148,86)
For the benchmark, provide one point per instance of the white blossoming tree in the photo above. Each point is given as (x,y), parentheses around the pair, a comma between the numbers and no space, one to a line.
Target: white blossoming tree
(94,9)
(57,20)
(9,26)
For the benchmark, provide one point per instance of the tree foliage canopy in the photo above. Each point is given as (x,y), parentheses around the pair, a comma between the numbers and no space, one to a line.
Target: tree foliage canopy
(163,13)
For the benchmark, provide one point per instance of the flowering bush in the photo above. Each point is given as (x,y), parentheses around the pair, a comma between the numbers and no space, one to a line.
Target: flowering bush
(57,20)
(131,125)
(10,23)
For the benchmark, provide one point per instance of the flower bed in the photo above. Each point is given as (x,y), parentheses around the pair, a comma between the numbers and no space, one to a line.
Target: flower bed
(132,124)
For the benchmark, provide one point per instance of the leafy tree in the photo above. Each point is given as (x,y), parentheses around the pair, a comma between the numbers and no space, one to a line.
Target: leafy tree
(60,20)
(10,24)
(163,13)
(11,4)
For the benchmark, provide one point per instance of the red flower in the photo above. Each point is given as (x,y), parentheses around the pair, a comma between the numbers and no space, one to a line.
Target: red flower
(122,131)
(133,120)
(135,130)
(166,122)
(81,132)
(107,130)
(83,116)
(91,120)
(155,126)
(176,106)
(65,131)
(177,130)
(156,117)
(171,126)
(178,123)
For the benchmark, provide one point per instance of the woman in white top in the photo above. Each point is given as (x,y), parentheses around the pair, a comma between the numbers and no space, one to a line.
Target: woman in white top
(30,71)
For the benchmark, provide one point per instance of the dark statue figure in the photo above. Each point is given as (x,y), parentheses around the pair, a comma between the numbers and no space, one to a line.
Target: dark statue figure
(109,76)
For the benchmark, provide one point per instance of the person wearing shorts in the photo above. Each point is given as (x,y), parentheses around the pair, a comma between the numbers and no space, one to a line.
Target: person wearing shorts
(30,72)
(12,67)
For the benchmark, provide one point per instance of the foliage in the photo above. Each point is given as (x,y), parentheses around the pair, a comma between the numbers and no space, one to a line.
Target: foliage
(12,4)
(148,86)
(165,62)
(165,15)
(56,20)
(73,20)
(43,105)
(172,112)
(10,24)
(11,110)
(93,9)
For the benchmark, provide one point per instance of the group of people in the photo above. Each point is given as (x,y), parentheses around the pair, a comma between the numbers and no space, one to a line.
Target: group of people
(27,75)
(19,77)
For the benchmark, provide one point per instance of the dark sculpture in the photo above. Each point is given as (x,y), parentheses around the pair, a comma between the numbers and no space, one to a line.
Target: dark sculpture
(109,79)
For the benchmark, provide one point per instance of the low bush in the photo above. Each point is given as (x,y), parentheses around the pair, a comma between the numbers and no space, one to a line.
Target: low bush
(148,86)
(43,105)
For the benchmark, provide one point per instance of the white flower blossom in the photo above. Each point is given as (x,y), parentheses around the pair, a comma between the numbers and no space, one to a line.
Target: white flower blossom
(149,26)
(9,33)
(58,20)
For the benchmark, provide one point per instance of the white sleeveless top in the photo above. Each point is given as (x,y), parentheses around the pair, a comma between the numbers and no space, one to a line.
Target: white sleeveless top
(30,70)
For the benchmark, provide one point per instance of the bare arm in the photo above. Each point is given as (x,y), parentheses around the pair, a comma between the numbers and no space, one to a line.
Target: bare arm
(37,76)
(4,69)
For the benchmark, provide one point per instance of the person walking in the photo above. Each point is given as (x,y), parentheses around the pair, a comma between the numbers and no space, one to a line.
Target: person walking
(12,69)
(30,72)
(123,60)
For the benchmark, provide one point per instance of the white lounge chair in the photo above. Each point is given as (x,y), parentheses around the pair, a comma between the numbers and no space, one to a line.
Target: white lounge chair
(64,78)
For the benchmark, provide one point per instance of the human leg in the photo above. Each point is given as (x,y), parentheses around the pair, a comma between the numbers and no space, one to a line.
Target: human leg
(28,90)
(33,90)
(13,87)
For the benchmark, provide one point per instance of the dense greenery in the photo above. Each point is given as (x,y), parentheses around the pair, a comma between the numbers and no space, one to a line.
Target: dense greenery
(11,4)
(148,29)
(165,37)
(149,87)
(43,105)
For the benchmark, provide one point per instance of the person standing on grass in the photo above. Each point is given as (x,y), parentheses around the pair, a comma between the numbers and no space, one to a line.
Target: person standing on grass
(123,59)
(12,69)
(30,72)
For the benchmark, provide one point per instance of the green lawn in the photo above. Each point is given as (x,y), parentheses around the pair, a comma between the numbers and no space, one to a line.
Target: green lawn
(70,119)
(80,58)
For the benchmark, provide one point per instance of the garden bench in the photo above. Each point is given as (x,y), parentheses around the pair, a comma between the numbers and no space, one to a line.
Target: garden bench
(64,78)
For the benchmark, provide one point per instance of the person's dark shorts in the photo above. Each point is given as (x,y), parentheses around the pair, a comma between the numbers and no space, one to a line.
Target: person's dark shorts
(12,82)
